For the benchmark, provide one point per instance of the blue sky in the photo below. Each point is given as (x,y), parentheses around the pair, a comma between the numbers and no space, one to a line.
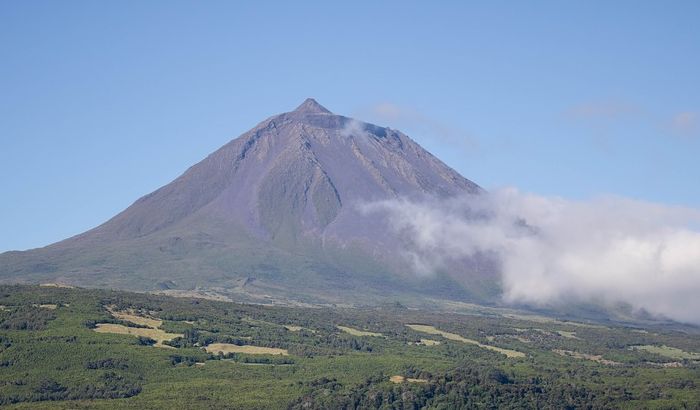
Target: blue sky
(101,103)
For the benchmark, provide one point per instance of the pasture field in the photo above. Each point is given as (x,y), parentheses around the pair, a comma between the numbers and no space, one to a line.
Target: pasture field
(401,379)
(231,348)
(156,334)
(570,335)
(428,342)
(593,357)
(99,349)
(452,336)
(670,352)
(356,332)
(149,327)
(139,319)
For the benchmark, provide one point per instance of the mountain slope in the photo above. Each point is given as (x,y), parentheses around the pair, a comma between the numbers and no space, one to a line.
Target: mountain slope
(274,211)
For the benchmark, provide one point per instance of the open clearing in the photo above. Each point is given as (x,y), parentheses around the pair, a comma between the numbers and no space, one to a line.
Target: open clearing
(56,285)
(104,367)
(133,317)
(356,332)
(568,335)
(401,379)
(593,357)
(428,342)
(670,352)
(231,348)
(453,336)
(545,319)
(152,331)
(49,306)
(156,334)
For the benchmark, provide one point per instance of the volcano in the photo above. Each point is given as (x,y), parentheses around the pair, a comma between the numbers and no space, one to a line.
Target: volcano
(275,213)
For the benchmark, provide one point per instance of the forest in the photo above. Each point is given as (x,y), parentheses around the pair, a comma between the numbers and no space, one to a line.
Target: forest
(88,348)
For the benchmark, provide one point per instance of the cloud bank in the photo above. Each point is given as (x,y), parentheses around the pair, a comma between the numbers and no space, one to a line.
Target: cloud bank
(608,250)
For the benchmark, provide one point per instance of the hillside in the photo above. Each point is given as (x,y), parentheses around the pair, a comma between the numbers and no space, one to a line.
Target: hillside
(80,348)
(275,214)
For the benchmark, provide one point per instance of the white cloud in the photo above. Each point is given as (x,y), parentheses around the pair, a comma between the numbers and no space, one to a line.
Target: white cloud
(608,250)
(352,127)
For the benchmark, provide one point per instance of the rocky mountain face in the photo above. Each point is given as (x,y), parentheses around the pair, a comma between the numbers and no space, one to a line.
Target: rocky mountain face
(275,213)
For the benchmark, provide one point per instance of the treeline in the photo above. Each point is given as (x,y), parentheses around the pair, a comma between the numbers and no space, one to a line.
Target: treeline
(112,381)
(466,387)
(26,318)
(298,345)
(42,361)
(113,387)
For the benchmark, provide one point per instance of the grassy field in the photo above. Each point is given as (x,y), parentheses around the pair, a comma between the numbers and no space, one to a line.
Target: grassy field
(221,355)
(452,336)
(593,357)
(670,352)
(139,319)
(156,334)
(402,379)
(149,327)
(428,342)
(570,335)
(356,332)
(248,349)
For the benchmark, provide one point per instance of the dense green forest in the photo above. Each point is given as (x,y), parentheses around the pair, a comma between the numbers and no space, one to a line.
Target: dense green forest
(59,349)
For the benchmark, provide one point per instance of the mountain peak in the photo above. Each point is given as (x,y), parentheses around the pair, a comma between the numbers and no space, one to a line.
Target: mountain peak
(312,106)
(281,203)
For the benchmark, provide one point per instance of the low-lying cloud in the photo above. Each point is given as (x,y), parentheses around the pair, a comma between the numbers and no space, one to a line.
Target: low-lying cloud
(608,250)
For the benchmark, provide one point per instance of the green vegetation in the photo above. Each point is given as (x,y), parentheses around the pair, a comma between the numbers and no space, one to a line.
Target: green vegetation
(452,336)
(54,358)
(356,332)
(670,352)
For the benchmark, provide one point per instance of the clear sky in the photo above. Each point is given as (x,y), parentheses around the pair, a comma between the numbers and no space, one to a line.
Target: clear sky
(101,103)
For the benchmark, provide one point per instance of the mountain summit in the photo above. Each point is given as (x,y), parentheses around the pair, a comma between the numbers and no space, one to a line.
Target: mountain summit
(274,213)
(312,106)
